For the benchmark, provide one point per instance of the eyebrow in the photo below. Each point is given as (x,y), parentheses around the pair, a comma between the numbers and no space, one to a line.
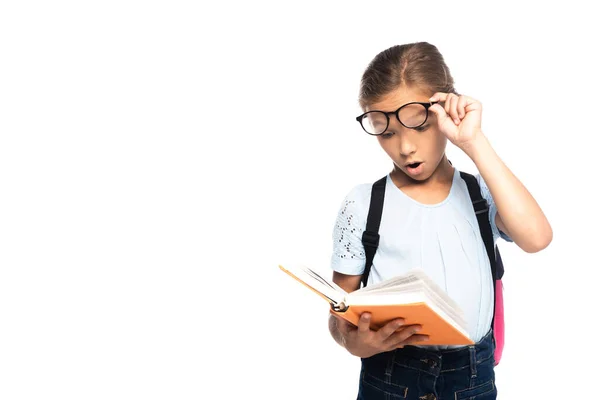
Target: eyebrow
(428,102)
(391,111)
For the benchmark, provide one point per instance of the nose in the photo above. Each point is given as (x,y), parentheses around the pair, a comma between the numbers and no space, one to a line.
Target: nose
(406,141)
(407,146)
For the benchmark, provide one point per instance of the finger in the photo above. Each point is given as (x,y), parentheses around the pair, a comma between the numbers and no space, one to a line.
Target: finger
(439,96)
(447,103)
(389,329)
(407,338)
(462,104)
(472,104)
(402,335)
(364,323)
(454,110)
(440,113)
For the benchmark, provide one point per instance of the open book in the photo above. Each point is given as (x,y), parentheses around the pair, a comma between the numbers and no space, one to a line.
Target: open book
(412,296)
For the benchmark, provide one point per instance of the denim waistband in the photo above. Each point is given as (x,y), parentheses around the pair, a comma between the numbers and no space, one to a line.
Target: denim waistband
(437,361)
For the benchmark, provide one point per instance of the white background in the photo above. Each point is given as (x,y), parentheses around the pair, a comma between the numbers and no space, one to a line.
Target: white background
(159,160)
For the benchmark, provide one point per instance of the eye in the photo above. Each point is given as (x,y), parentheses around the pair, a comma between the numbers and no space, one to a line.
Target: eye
(387,135)
(422,128)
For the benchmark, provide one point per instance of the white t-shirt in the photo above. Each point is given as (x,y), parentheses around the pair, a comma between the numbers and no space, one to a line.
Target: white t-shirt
(443,239)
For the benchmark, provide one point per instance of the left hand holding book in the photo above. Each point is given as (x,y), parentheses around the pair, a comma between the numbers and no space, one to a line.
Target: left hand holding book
(364,342)
(412,297)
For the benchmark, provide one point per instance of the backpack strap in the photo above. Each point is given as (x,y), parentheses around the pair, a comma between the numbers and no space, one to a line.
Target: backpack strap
(499,265)
(370,237)
(481,208)
(481,211)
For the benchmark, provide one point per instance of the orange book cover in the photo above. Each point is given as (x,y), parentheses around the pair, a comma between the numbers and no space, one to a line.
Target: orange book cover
(440,331)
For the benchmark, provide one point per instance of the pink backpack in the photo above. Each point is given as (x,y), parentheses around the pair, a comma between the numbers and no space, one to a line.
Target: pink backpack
(370,240)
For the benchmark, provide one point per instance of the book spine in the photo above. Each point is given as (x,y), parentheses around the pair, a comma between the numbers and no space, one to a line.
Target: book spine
(339,307)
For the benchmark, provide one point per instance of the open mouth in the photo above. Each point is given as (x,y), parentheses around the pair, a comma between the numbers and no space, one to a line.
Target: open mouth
(415,168)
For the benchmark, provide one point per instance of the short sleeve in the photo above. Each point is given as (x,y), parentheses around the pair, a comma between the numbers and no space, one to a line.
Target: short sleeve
(348,255)
(487,195)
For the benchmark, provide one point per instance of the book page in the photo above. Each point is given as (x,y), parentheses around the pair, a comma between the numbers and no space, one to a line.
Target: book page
(398,281)
(398,290)
(439,297)
(323,286)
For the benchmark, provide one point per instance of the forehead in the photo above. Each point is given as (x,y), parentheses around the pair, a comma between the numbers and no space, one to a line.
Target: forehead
(398,97)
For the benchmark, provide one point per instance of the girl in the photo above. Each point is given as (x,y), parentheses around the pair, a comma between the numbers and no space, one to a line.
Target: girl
(412,109)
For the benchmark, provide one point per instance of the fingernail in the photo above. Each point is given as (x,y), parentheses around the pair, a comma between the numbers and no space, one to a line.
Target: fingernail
(365,317)
(417,329)
(456,121)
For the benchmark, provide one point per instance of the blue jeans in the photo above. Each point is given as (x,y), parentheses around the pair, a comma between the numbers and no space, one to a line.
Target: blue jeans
(421,374)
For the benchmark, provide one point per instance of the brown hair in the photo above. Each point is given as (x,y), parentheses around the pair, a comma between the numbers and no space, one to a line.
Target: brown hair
(415,64)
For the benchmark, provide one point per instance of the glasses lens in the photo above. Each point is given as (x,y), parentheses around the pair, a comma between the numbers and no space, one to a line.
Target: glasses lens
(374,122)
(413,115)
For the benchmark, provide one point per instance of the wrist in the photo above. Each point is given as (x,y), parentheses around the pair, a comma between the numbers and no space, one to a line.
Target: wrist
(344,342)
(335,332)
(476,146)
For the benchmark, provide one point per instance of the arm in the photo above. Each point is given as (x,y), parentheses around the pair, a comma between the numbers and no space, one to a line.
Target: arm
(519,215)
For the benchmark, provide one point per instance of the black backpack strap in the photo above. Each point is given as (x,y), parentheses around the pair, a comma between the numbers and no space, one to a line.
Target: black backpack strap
(370,237)
(499,265)
(483,220)
(481,211)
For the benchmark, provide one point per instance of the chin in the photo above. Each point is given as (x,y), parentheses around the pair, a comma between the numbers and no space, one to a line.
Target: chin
(423,176)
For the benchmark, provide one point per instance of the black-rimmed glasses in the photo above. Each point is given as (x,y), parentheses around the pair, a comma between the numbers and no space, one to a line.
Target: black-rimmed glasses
(411,115)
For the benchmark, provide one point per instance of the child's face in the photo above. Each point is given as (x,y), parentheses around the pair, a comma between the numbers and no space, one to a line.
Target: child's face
(425,145)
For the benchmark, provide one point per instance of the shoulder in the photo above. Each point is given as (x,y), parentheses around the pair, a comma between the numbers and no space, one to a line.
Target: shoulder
(359,194)
(480,182)
(485,191)
(355,204)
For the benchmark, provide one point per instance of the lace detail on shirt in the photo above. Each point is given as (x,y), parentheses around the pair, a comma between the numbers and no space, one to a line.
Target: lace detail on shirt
(347,234)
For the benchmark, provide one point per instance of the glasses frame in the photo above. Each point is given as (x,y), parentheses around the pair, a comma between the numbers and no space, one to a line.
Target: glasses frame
(427,105)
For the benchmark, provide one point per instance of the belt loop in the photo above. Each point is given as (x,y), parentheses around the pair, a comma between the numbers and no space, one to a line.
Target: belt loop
(473,361)
(390,367)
